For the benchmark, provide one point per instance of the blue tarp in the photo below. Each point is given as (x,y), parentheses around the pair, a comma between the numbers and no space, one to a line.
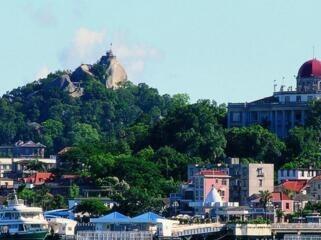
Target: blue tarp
(114,217)
(148,217)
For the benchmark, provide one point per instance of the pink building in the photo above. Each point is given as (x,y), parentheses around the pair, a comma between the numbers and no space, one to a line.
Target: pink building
(279,200)
(282,201)
(206,179)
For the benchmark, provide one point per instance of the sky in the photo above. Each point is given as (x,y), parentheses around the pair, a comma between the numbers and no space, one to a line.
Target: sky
(227,51)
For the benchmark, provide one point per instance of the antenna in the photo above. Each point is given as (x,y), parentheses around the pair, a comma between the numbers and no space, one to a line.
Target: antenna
(274,86)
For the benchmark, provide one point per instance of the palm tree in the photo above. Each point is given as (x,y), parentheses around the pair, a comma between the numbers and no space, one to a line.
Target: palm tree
(265,197)
(279,214)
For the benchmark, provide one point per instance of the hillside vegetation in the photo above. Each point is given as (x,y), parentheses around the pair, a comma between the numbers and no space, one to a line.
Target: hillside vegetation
(138,140)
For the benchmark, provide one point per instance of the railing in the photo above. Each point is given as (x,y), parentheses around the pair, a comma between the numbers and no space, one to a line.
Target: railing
(190,232)
(301,237)
(114,235)
(297,226)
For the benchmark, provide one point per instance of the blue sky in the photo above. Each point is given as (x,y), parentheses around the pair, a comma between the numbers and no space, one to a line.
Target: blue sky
(228,51)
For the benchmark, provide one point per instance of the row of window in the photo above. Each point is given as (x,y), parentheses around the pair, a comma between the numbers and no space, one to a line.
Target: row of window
(302,173)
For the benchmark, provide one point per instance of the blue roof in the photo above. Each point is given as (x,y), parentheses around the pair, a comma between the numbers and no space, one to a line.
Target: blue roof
(148,217)
(114,217)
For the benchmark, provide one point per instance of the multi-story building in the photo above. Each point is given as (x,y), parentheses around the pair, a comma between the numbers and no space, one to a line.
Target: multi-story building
(205,180)
(15,159)
(192,195)
(249,179)
(283,110)
(297,174)
(23,149)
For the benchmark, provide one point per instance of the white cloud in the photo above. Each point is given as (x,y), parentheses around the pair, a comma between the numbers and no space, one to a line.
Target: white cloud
(85,47)
(42,73)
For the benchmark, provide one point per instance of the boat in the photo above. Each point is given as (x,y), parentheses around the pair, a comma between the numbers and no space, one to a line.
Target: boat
(20,222)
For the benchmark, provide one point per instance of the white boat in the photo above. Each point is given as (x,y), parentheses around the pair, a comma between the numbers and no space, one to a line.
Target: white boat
(18,221)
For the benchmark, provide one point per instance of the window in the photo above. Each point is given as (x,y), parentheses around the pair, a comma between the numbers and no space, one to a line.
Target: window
(302,173)
(224,182)
(298,98)
(287,205)
(310,98)
(260,172)
(216,180)
(222,193)
(260,182)
(287,99)
(236,116)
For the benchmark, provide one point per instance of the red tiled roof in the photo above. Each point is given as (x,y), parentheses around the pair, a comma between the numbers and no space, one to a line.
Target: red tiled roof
(279,196)
(39,178)
(294,185)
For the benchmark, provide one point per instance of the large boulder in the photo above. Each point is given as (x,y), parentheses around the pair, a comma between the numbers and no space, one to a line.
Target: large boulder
(115,74)
(64,83)
(81,73)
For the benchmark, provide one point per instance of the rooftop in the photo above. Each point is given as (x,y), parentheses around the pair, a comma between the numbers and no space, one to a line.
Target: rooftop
(294,185)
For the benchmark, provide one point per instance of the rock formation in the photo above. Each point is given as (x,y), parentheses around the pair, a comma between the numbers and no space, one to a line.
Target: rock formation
(64,83)
(112,74)
(81,73)
(115,74)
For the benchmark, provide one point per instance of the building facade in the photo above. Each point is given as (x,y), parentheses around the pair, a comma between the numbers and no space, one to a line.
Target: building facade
(297,174)
(23,149)
(205,180)
(283,110)
(249,179)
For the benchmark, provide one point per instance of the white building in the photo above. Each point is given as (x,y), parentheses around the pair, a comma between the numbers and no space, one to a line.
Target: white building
(297,174)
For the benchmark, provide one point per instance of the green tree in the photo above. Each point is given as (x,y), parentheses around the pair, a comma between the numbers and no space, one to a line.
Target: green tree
(303,147)
(265,198)
(136,201)
(51,130)
(74,191)
(83,133)
(27,195)
(94,207)
(172,163)
(254,142)
(58,202)
(313,118)
(193,129)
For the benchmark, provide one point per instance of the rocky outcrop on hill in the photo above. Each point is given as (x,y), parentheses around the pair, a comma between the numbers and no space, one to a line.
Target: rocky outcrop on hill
(64,83)
(81,73)
(115,74)
(111,73)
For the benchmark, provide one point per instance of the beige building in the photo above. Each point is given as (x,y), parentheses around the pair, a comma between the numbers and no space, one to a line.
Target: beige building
(249,179)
